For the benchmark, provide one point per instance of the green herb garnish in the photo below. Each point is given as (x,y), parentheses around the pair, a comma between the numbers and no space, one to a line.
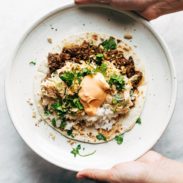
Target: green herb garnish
(78,104)
(46,111)
(68,78)
(85,72)
(101,137)
(119,139)
(69,133)
(32,63)
(118,81)
(72,101)
(116,99)
(99,58)
(138,121)
(56,106)
(53,121)
(76,151)
(102,68)
(63,123)
(109,44)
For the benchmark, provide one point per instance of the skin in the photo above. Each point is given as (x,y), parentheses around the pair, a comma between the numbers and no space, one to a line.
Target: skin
(149,9)
(150,168)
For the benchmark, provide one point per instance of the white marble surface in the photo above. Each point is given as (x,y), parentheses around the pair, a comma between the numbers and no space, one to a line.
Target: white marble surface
(17,162)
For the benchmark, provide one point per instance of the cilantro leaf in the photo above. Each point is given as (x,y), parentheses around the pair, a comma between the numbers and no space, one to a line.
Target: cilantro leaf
(58,108)
(72,101)
(118,81)
(75,151)
(99,58)
(102,68)
(68,78)
(32,63)
(85,72)
(63,123)
(101,137)
(78,104)
(116,99)
(109,44)
(69,133)
(138,121)
(53,122)
(119,139)
(46,111)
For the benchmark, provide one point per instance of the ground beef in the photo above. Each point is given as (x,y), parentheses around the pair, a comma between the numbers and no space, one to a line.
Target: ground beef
(136,79)
(130,70)
(82,52)
(76,53)
(54,62)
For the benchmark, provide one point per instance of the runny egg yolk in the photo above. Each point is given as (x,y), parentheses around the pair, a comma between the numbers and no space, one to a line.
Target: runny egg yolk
(93,92)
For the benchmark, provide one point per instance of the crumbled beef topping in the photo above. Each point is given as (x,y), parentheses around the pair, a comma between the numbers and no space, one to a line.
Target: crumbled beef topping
(137,78)
(86,51)
(54,62)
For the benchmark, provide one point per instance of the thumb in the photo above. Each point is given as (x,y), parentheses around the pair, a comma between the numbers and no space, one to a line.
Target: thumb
(124,5)
(96,174)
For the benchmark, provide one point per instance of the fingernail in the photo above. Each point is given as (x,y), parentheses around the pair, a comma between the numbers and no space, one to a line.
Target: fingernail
(76,1)
(103,1)
(79,176)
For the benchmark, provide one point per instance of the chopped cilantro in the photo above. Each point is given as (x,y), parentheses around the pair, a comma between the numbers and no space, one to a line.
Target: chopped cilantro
(69,133)
(72,101)
(75,151)
(53,121)
(102,68)
(99,58)
(119,139)
(118,81)
(101,137)
(85,72)
(138,121)
(109,44)
(68,78)
(131,93)
(116,99)
(89,154)
(77,103)
(58,108)
(63,123)
(46,111)
(32,63)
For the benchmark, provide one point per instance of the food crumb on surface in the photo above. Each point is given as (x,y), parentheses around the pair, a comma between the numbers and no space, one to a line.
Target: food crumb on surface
(33,114)
(71,142)
(52,136)
(50,40)
(29,101)
(128,36)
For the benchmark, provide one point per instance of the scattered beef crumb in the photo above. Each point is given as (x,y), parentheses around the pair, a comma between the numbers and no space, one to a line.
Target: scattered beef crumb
(128,36)
(49,40)
(54,62)
(137,79)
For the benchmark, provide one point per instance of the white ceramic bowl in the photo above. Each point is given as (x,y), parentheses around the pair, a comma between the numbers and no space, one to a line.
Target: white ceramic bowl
(68,20)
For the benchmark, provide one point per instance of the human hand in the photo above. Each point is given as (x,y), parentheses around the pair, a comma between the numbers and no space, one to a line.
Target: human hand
(149,9)
(150,168)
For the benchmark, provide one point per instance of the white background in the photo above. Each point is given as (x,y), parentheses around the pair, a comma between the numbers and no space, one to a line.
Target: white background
(17,162)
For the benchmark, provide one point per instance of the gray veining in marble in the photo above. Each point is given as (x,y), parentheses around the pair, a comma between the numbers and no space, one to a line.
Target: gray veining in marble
(17,161)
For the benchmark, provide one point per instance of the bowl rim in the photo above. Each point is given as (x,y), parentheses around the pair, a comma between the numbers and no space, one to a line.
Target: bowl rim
(69,5)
